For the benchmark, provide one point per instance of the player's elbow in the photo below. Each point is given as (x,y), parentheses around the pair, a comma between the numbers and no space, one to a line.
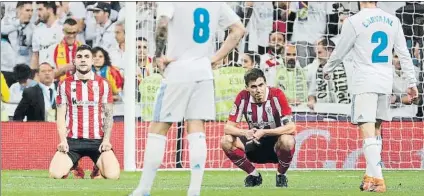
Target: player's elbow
(238,30)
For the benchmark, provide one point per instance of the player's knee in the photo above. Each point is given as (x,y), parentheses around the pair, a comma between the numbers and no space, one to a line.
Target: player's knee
(286,142)
(56,174)
(227,142)
(112,175)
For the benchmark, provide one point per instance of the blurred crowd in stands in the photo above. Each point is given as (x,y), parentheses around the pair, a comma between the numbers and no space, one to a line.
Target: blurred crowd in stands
(289,41)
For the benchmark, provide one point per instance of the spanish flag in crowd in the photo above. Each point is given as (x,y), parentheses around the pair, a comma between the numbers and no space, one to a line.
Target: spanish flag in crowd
(113,76)
(61,55)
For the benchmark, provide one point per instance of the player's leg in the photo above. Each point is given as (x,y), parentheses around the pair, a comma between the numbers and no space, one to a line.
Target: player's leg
(364,109)
(108,165)
(170,104)
(201,107)
(284,148)
(233,147)
(62,163)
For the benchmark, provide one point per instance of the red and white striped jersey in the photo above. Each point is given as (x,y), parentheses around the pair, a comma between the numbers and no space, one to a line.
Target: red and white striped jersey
(266,115)
(84,100)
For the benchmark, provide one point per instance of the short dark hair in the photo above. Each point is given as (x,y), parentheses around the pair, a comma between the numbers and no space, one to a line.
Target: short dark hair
(253,75)
(107,62)
(70,21)
(48,4)
(22,72)
(254,57)
(21,3)
(327,43)
(84,47)
(279,32)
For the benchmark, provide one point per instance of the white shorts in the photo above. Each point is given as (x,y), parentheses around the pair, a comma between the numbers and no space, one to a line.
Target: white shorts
(185,100)
(370,107)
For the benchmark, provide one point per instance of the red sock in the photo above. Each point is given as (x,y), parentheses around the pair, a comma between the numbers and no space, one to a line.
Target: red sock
(284,159)
(238,157)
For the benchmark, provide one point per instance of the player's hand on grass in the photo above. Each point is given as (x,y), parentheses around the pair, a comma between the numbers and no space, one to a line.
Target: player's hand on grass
(105,146)
(63,147)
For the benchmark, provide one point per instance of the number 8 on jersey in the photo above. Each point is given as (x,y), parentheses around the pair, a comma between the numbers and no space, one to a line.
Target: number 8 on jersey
(201,25)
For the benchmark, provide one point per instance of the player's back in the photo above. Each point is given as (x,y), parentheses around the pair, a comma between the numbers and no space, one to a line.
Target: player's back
(376,33)
(191,31)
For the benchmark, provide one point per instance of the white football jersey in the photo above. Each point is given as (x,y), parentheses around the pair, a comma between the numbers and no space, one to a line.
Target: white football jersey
(191,36)
(370,36)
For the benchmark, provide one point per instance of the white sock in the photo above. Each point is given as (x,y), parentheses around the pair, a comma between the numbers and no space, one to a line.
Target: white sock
(254,173)
(197,154)
(153,156)
(373,157)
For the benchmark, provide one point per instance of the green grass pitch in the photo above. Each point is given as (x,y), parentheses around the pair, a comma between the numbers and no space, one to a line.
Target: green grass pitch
(216,183)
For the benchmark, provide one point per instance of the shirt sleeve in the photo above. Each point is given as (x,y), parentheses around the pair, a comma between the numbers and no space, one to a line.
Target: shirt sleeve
(107,93)
(236,112)
(227,16)
(8,25)
(165,9)
(284,107)
(35,41)
(61,93)
(346,42)
(404,56)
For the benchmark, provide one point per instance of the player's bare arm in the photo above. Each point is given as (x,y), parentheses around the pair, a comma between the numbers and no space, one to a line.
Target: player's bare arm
(161,36)
(107,127)
(289,128)
(231,129)
(61,128)
(237,31)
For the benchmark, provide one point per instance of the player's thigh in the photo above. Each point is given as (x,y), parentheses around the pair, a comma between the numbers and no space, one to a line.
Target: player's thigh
(364,108)
(229,142)
(201,105)
(108,165)
(60,165)
(383,108)
(171,101)
(265,152)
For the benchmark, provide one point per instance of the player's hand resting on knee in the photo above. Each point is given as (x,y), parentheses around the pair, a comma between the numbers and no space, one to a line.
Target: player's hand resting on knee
(105,146)
(259,134)
(63,147)
(249,134)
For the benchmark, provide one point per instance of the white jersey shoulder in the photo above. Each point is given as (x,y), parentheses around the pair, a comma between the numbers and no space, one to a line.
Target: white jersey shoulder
(192,27)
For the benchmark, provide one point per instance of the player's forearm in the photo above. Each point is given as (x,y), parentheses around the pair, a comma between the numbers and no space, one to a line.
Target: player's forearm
(161,36)
(108,121)
(287,129)
(231,42)
(61,122)
(233,130)
(34,60)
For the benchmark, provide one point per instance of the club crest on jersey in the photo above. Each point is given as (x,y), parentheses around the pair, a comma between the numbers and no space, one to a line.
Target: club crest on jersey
(233,110)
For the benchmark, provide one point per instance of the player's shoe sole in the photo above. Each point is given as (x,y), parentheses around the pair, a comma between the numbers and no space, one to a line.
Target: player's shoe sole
(367,183)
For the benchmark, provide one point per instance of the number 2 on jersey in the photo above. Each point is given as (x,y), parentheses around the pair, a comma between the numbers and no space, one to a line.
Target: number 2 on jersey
(379,37)
(201,28)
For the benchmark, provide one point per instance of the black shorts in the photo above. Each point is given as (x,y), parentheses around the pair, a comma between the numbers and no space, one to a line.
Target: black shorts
(79,148)
(263,153)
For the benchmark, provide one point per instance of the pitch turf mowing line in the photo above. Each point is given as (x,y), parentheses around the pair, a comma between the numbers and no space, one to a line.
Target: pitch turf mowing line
(216,183)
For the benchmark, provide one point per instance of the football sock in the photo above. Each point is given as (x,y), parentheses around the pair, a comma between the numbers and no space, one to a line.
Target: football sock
(238,157)
(153,156)
(284,159)
(197,155)
(373,157)
(254,173)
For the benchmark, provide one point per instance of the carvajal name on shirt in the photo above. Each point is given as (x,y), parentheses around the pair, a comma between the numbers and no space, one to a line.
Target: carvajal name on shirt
(375,19)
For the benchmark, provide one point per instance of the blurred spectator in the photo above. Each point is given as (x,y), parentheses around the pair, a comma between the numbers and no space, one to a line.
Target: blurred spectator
(306,25)
(145,67)
(103,67)
(280,16)
(273,58)
(327,91)
(38,102)
(46,33)
(7,61)
(291,77)
(22,74)
(63,53)
(400,102)
(18,31)
(5,96)
(146,23)
(119,54)
(257,18)
(250,60)
(105,29)
(75,10)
